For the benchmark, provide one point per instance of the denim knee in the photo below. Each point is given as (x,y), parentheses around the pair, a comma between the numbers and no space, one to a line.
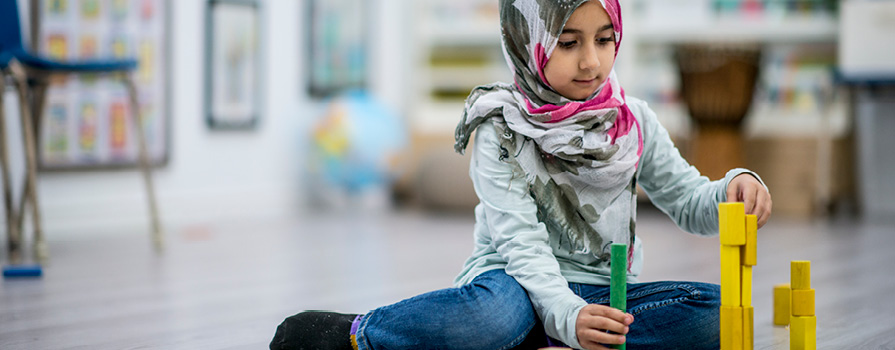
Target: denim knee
(706,327)
(499,311)
(681,315)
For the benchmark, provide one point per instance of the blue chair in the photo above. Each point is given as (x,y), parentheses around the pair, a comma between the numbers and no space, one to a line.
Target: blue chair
(37,71)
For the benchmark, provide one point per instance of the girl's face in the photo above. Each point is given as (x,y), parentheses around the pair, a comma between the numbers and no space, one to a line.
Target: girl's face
(584,55)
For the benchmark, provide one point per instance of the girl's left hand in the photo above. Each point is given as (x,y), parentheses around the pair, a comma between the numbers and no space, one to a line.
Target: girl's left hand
(746,188)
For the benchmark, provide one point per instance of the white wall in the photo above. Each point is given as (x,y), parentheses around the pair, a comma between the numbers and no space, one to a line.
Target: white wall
(212,176)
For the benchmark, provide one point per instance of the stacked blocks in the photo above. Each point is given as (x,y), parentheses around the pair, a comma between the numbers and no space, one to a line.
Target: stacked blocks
(739,237)
(803,322)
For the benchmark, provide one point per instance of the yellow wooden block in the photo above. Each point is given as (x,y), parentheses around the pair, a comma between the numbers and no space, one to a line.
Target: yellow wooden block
(730,275)
(748,327)
(731,327)
(803,302)
(732,223)
(781,304)
(746,286)
(800,274)
(803,333)
(750,249)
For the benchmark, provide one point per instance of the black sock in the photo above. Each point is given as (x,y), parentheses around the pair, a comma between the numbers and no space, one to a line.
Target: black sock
(314,330)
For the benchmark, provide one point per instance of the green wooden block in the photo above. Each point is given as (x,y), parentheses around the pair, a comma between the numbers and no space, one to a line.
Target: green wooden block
(618,285)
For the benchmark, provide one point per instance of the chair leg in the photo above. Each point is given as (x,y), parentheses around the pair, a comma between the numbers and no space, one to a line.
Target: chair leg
(38,100)
(12,233)
(41,251)
(157,236)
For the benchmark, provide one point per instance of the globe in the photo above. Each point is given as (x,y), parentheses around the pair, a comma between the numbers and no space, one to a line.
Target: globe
(357,142)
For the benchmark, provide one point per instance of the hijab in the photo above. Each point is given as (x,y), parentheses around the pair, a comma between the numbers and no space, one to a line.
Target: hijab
(578,157)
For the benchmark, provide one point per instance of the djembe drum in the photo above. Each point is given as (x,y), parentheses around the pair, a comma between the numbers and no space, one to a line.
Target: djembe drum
(717,84)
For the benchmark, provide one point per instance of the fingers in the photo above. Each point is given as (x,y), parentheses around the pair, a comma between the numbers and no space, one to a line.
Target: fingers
(756,199)
(607,312)
(732,189)
(749,195)
(600,324)
(594,339)
(764,206)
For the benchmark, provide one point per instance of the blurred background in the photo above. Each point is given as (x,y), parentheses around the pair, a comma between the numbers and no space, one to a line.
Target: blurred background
(272,123)
(782,83)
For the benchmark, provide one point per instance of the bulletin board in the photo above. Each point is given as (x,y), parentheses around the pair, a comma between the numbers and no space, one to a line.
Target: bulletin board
(86,119)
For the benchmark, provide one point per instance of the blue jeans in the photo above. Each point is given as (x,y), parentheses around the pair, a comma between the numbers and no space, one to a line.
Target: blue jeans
(494,312)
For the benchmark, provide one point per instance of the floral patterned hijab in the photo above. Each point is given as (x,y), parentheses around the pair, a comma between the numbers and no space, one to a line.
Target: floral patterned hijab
(579,157)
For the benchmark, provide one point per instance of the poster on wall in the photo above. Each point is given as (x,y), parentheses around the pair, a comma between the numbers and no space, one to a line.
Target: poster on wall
(232,64)
(86,121)
(337,59)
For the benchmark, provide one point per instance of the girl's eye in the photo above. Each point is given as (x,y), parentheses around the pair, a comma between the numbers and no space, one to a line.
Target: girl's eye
(567,44)
(606,40)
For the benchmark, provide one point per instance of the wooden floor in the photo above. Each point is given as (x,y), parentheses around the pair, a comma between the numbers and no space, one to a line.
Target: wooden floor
(228,286)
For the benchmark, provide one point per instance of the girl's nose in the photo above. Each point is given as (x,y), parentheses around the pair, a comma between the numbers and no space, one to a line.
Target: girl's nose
(589,59)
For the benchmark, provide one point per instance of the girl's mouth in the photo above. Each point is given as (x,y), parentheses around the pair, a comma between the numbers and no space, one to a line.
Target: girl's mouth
(585,82)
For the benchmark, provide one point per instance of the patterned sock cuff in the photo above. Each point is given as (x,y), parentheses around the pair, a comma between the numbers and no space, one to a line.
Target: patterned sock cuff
(354,326)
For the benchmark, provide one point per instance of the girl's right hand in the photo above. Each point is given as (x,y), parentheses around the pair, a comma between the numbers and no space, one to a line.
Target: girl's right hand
(595,320)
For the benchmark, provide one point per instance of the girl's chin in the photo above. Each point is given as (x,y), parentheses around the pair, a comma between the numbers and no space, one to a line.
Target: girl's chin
(583,94)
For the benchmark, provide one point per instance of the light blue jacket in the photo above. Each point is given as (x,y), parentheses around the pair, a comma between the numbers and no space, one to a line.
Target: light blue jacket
(509,236)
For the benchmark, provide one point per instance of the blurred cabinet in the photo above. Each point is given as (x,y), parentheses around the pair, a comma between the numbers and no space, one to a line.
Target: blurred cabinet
(459,49)
(796,101)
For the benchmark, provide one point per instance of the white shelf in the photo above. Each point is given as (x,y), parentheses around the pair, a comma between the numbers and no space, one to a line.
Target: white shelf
(473,32)
(737,29)
(437,117)
(765,120)
(467,76)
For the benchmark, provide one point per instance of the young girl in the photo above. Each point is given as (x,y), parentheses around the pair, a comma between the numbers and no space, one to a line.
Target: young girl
(556,161)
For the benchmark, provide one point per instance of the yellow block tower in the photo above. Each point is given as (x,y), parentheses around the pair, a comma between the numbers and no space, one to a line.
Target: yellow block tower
(803,322)
(739,236)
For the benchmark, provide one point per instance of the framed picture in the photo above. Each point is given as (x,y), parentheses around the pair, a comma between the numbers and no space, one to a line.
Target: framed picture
(86,120)
(337,40)
(232,69)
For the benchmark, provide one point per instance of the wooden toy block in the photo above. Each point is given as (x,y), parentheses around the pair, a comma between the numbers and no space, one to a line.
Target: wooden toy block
(802,302)
(732,328)
(618,287)
(746,286)
(732,223)
(803,333)
(748,327)
(730,275)
(781,304)
(800,274)
(750,249)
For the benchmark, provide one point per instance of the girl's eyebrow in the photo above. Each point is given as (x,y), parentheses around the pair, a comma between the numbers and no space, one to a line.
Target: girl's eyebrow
(576,31)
